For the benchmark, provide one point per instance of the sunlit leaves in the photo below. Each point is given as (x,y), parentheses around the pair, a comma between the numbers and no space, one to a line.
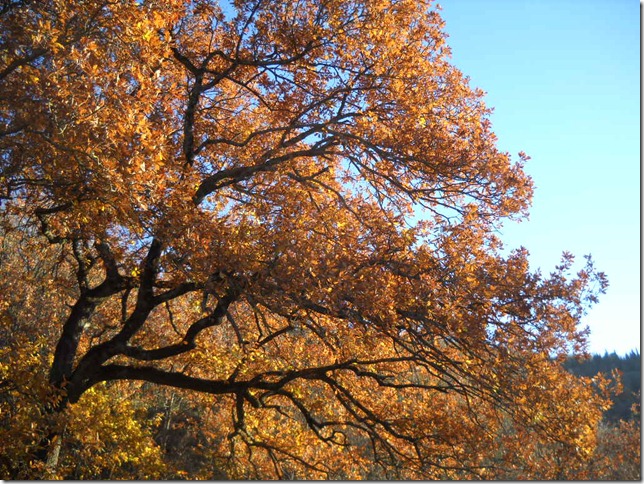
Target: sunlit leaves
(289,208)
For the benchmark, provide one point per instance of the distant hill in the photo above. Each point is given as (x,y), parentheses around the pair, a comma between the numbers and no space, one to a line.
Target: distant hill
(629,365)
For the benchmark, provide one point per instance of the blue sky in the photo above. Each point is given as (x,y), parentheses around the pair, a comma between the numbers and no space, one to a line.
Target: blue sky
(564,79)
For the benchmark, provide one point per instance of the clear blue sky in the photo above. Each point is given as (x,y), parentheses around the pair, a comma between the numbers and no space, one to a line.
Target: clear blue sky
(564,79)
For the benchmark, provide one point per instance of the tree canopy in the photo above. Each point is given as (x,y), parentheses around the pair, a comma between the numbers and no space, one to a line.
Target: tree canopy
(290,209)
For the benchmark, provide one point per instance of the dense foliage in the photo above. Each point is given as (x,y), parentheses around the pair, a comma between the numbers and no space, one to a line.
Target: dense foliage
(257,240)
(626,369)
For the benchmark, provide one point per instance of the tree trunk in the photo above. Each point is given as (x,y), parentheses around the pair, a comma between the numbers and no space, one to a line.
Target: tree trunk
(53,453)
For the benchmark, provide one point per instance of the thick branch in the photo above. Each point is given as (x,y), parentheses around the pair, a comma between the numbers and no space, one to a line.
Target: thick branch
(105,253)
(176,292)
(216,387)
(144,304)
(167,378)
(67,346)
(188,343)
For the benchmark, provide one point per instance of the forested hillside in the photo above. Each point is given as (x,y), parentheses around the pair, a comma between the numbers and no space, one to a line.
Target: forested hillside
(629,369)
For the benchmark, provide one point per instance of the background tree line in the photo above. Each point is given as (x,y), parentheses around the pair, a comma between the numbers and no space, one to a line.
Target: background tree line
(630,375)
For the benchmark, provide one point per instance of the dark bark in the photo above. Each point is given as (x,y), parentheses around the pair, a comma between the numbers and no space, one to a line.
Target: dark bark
(81,312)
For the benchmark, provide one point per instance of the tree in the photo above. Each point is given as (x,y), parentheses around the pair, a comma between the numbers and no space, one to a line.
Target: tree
(627,368)
(289,208)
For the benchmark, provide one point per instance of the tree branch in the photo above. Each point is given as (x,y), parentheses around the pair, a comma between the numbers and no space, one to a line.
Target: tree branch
(173,379)
(215,318)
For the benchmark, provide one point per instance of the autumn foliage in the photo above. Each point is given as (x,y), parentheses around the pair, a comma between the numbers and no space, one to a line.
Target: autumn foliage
(282,215)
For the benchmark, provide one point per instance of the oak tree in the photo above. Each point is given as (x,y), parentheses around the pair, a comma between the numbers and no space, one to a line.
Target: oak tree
(291,209)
